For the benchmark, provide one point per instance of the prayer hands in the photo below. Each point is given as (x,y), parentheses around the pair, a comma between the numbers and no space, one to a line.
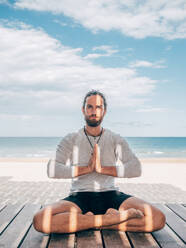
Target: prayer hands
(94,162)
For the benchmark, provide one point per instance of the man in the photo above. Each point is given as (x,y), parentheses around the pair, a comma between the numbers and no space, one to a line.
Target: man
(93,157)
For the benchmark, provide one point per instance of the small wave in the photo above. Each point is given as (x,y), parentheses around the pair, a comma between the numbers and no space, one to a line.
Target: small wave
(158,152)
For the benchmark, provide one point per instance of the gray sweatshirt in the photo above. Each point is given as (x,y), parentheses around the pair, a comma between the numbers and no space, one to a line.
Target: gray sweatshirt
(75,150)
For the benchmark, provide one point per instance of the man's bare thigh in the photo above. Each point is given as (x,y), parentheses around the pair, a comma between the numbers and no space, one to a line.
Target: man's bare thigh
(61,207)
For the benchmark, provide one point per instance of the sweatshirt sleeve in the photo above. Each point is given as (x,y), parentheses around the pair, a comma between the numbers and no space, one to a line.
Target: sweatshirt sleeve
(61,166)
(127,164)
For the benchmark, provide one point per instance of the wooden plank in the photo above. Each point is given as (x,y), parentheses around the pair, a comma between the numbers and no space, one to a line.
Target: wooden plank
(62,241)
(17,229)
(178,209)
(15,223)
(174,221)
(35,239)
(142,240)
(90,239)
(116,239)
(166,238)
(7,215)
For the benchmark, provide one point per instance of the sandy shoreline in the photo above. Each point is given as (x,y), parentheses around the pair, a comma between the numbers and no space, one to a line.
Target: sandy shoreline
(162,180)
(159,170)
(43,160)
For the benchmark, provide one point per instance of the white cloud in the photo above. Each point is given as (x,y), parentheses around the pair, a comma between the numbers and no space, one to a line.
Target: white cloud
(39,75)
(94,55)
(63,24)
(106,51)
(105,48)
(135,18)
(13,117)
(152,109)
(143,63)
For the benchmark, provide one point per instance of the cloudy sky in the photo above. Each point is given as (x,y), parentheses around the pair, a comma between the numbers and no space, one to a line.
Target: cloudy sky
(53,52)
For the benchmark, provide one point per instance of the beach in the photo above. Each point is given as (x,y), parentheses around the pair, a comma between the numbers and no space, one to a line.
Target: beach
(24,180)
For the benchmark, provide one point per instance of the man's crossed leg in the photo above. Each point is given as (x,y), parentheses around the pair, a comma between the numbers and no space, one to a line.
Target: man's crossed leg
(66,217)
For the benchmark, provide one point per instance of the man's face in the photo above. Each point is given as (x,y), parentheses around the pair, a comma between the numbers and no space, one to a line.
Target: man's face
(94,110)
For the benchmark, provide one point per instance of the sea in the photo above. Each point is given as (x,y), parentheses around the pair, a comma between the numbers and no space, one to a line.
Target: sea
(45,147)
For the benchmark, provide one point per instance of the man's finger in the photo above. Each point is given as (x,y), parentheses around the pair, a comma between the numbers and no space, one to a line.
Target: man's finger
(93,152)
(97,151)
(95,147)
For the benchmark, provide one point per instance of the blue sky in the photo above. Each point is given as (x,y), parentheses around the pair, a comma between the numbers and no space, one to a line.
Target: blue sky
(53,52)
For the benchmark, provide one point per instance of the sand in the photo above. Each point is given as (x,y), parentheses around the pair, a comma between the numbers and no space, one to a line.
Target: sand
(162,179)
(157,170)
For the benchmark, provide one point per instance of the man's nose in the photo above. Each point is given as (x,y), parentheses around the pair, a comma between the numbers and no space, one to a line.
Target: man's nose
(94,111)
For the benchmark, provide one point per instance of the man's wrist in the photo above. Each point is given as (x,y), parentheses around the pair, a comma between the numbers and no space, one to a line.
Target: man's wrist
(108,170)
(81,170)
(99,170)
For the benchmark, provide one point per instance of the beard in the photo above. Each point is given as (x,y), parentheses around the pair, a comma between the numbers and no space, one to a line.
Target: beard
(93,122)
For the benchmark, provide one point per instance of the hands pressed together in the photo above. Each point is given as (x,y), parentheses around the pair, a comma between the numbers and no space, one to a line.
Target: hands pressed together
(94,162)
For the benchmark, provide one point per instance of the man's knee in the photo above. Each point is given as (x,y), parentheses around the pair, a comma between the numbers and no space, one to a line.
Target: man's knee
(157,221)
(37,222)
(161,220)
(42,221)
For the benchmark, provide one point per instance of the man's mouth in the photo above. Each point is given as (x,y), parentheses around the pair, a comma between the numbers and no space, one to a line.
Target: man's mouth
(93,121)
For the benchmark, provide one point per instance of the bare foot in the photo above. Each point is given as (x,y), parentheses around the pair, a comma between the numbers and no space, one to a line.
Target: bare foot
(125,214)
(89,213)
(113,216)
(135,213)
(112,211)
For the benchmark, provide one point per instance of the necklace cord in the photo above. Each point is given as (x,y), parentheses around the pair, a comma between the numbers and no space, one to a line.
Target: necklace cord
(89,139)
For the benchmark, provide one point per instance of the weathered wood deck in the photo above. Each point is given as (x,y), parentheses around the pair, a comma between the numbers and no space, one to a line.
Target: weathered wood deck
(16,230)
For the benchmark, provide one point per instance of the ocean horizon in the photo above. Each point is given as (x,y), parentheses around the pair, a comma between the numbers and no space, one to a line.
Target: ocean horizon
(42,147)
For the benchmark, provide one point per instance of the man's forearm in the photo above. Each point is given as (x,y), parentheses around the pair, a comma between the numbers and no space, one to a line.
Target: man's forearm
(122,170)
(59,170)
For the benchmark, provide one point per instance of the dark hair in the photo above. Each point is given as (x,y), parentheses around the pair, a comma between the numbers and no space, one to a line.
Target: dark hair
(95,92)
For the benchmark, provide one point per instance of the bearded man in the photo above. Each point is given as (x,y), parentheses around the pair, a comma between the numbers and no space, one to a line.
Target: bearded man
(93,157)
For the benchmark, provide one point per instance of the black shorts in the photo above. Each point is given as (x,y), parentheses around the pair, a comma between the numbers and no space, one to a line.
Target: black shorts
(97,202)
